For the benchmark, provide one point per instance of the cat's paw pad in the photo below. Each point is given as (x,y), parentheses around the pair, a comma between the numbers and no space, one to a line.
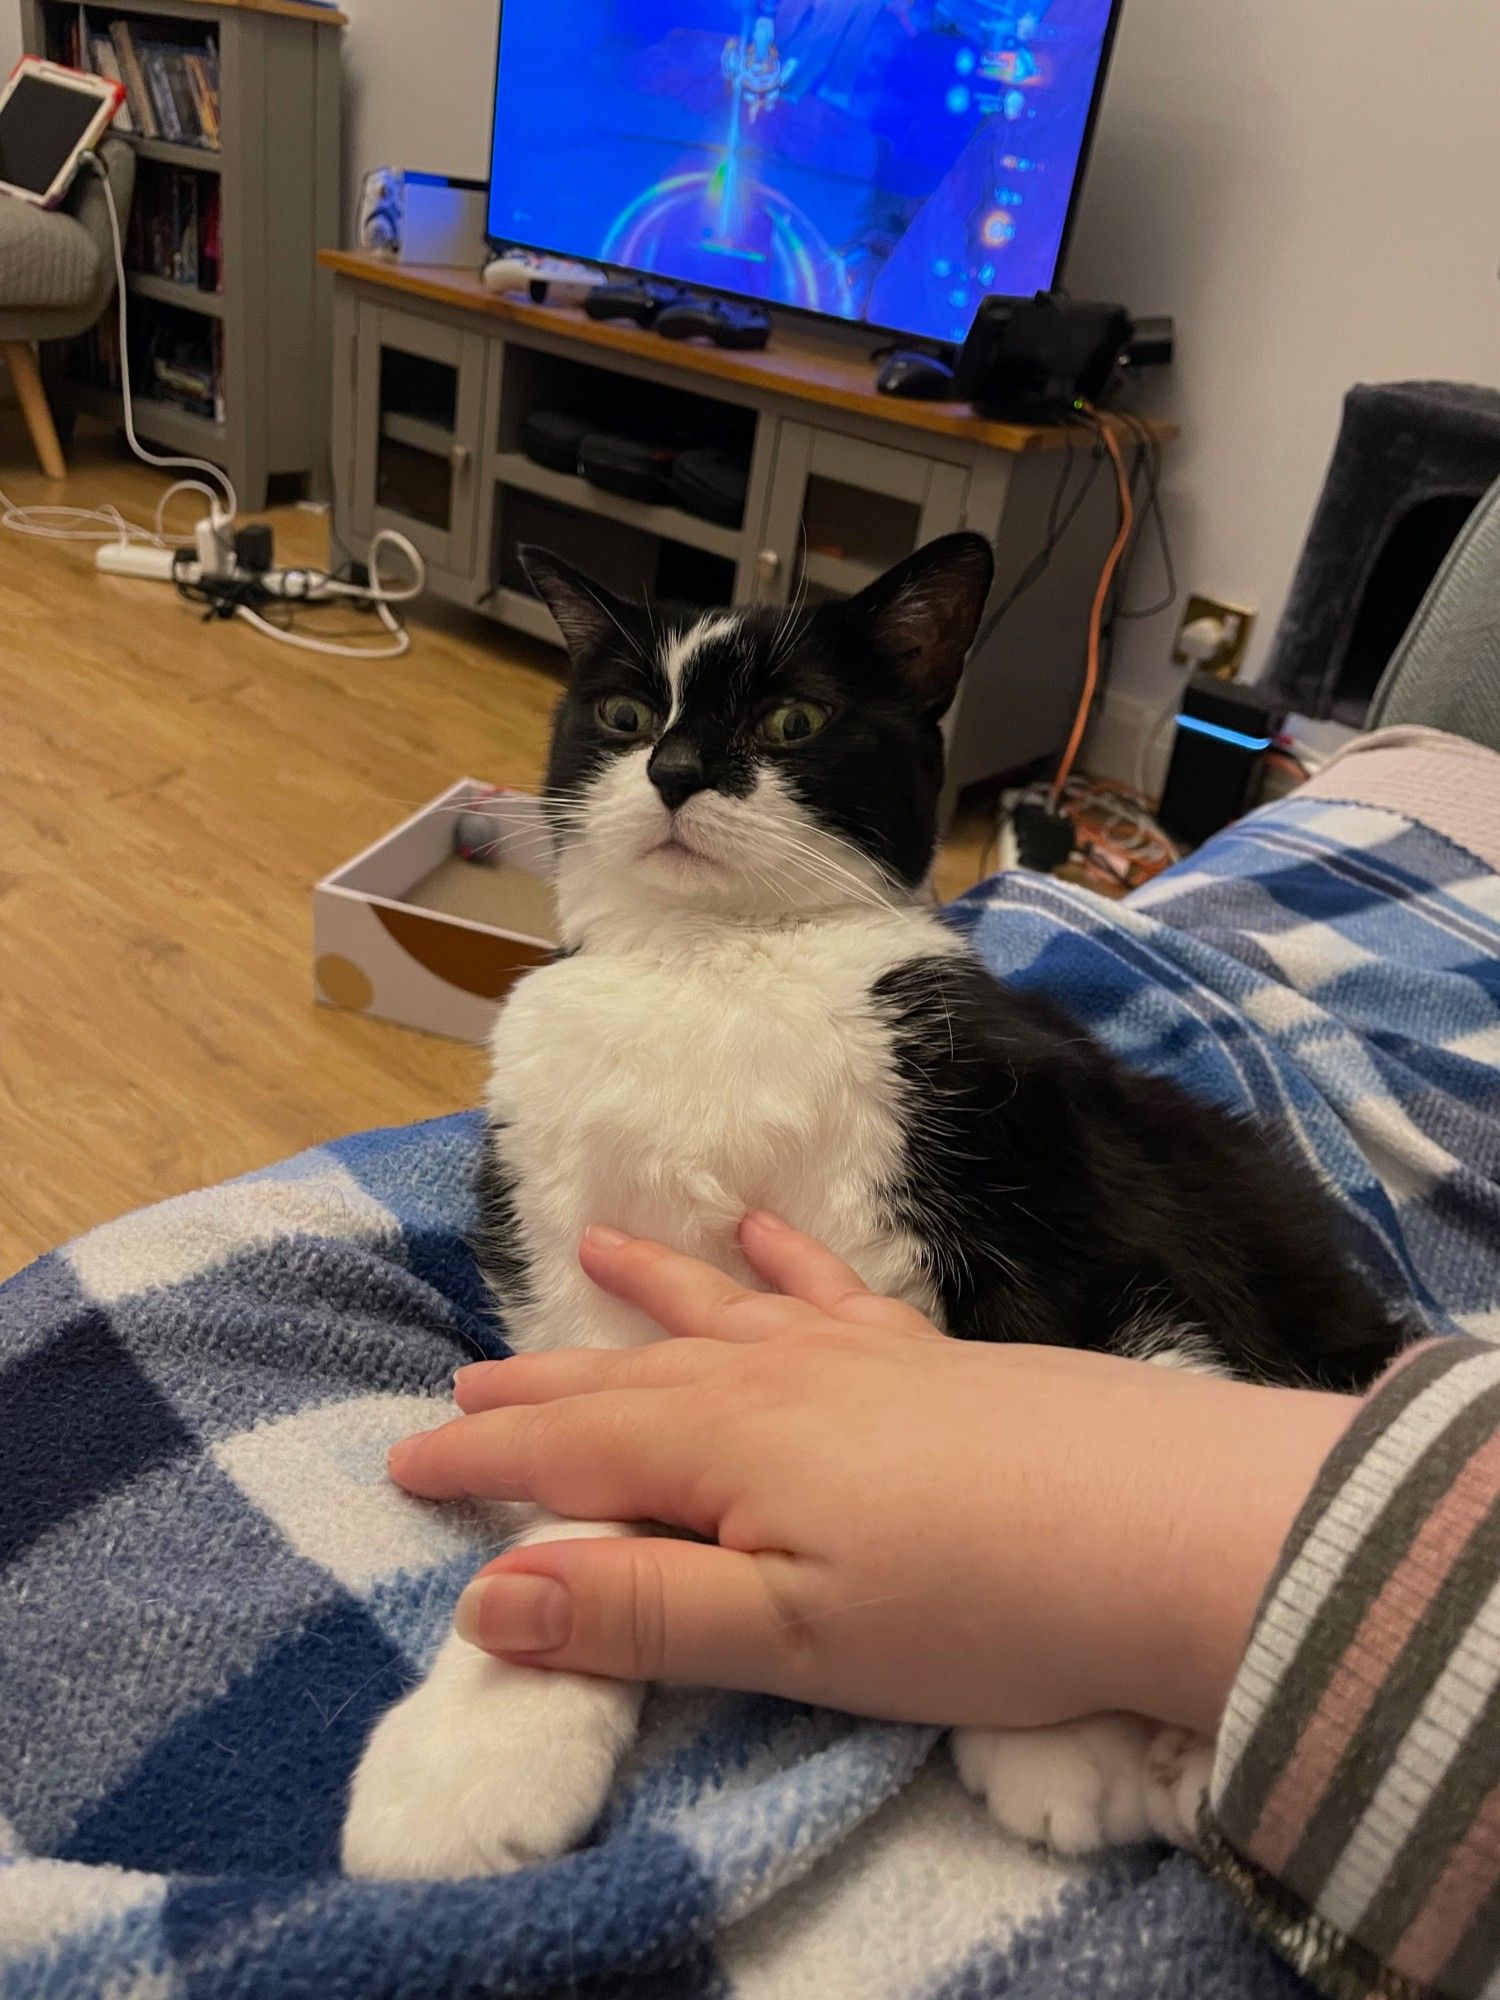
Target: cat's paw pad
(1074,1788)
(485,1768)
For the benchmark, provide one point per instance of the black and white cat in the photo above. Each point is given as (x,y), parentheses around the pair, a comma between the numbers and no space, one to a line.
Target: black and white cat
(756,1006)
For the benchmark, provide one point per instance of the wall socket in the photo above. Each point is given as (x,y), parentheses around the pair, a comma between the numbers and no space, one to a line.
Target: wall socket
(1226,650)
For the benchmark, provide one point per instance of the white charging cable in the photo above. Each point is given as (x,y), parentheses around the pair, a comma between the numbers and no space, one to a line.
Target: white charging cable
(300,586)
(214,472)
(107,524)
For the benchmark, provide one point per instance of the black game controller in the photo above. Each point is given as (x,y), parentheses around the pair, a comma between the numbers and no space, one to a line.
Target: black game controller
(636,299)
(718,320)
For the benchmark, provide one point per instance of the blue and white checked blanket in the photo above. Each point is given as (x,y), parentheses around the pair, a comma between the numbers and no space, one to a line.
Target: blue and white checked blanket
(208,1591)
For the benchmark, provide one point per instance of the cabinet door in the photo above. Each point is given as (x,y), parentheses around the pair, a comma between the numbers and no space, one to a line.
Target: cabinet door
(842,510)
(419,423)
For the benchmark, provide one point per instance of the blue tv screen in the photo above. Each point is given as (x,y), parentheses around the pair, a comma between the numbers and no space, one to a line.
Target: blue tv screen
(883,161)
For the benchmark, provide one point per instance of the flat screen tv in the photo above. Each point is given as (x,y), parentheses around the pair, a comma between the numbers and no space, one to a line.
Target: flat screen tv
(887,162)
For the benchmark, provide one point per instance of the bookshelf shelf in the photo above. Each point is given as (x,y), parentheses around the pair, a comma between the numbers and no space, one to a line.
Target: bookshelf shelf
(199,159)
(167,292)
(163,423)
(265,76)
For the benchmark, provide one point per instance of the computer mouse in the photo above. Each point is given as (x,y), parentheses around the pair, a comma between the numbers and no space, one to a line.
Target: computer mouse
(920,376)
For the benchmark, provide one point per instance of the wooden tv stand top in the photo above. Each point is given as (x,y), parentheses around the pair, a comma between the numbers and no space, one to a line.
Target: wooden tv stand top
(793,367)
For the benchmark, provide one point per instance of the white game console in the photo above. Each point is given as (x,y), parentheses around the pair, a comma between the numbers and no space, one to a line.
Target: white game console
(544,281)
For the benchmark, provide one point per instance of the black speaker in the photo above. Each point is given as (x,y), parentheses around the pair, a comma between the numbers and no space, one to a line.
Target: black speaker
(1224,728)
(1031,361)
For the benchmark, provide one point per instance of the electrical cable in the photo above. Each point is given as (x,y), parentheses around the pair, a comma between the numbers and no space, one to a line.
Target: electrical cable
(1101,597)
(241,595)
(1112,833)
(127,399)
(1149,745)
(1152,510)
(1058,524)
(247,596)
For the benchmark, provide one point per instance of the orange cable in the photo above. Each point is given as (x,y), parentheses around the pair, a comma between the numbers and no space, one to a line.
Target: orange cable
(1101,597)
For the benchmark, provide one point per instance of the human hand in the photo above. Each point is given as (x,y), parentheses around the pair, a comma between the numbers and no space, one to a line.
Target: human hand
(894,1523)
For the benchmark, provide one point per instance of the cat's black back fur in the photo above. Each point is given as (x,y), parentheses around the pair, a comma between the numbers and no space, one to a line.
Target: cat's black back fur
(1067,1199)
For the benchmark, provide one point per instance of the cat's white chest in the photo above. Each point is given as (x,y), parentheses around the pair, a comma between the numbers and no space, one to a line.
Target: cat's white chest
(666,1094)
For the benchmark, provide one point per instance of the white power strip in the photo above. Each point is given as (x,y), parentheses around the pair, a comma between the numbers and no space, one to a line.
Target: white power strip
(147,565)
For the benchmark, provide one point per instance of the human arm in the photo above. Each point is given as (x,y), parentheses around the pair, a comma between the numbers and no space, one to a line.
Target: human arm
(1355,1805)
(895,1523)
(1012,1535)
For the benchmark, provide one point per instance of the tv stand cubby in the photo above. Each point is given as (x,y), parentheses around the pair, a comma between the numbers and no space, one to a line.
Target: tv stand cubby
(435,376)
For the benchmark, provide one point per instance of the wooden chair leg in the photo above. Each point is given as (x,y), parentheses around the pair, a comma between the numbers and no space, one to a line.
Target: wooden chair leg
(20,358)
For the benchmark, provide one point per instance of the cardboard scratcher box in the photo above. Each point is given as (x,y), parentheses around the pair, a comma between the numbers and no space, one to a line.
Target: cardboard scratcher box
(412,931)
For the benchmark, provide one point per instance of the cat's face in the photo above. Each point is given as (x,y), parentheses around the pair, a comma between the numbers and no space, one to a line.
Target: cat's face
(755,763)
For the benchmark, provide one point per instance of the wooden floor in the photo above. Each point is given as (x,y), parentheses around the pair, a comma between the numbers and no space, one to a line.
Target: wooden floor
(169,793)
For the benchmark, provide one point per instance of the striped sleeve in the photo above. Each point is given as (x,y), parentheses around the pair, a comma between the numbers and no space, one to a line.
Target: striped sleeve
(1355,1805)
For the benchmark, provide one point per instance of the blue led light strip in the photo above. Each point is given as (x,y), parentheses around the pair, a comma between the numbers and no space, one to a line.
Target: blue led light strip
(1222,735)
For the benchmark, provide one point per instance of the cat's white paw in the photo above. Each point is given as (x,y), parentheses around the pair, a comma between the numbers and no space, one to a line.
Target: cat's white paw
(1108,1781)
(1179,1766)
(485,1768)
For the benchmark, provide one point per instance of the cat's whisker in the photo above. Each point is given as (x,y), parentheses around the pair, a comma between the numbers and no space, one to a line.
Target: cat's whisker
(819,865)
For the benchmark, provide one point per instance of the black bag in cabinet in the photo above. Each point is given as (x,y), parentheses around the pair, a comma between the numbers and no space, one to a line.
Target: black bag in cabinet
(631,467)
(552,438)
(711,483)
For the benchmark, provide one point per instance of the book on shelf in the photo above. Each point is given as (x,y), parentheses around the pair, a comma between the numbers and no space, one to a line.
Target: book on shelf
(179,360)
(175,229)
(104,62)
(133,76)
(167,121)
(171,88)
(203,79)
(211,241)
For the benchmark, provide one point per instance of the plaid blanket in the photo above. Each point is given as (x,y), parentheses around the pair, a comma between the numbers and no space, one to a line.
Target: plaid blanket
(208,1591)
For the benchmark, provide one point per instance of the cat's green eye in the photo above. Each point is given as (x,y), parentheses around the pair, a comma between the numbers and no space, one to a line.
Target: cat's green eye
(626,715)
(794,722)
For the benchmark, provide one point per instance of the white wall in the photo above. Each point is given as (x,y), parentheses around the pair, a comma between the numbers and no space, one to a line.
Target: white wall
(1313,188)
(419,86)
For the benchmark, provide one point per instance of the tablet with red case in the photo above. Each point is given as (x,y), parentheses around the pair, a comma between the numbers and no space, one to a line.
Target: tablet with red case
(49,116)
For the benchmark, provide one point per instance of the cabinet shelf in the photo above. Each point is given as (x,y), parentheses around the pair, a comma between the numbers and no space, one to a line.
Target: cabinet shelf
(417,433)
(513,468)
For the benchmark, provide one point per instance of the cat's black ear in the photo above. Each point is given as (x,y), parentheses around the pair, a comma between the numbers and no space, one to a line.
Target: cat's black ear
(587,614)
(924,613)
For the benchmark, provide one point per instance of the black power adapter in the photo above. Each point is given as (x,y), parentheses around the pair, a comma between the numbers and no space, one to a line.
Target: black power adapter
(254,548)
(1224,729)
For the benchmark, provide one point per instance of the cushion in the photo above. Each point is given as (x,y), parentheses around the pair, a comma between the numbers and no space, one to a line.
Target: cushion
(48,261)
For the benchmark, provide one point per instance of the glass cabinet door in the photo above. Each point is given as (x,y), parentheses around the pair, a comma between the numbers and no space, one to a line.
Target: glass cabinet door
(420,398)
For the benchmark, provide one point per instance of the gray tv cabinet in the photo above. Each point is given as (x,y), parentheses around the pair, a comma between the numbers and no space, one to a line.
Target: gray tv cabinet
(434,375)
(277,171)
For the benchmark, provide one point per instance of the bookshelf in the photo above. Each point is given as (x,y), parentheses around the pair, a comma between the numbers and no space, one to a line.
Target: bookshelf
(235,108)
